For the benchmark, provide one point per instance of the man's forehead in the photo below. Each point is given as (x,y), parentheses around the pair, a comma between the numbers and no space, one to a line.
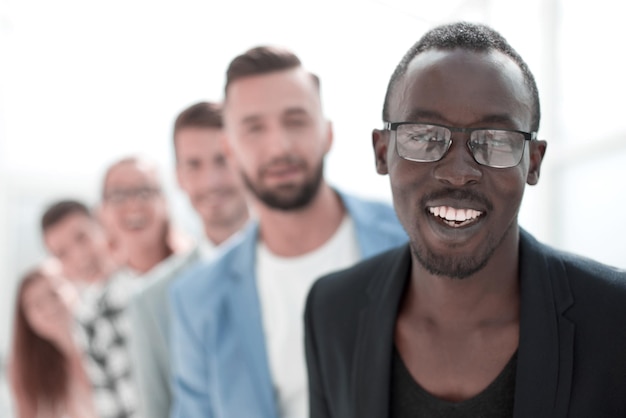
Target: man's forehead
(71,220)
(488,82)
(205,145)
(198,131)
(276,91)
(192,137)
(286,77)
(132,171)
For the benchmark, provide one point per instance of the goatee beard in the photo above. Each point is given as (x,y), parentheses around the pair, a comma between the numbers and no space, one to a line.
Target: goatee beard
(289,197)
(458,267)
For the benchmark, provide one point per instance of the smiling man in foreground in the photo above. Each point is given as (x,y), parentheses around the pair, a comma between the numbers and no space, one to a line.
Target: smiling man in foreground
(474,317)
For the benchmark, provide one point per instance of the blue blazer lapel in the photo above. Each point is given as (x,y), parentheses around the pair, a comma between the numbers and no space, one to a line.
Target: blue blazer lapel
(372,360)
(545,356)
(244,308)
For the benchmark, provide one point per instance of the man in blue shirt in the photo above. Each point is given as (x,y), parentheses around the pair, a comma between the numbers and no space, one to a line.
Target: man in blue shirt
(237,331)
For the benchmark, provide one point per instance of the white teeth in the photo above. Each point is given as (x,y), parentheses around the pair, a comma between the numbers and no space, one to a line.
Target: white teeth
(454,215)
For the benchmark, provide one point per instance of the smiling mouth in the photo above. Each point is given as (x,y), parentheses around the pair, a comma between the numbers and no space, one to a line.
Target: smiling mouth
(455,218)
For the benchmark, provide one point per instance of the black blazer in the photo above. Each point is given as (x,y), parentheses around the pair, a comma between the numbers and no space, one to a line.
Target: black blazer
(571,356)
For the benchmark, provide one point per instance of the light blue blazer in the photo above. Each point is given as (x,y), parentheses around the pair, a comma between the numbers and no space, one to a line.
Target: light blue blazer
(219,359)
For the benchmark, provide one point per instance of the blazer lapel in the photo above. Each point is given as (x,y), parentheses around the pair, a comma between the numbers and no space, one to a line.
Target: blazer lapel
(372,361)
(545,356)
(244,306)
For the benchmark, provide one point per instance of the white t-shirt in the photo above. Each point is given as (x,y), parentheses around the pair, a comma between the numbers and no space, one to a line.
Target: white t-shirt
(284,283)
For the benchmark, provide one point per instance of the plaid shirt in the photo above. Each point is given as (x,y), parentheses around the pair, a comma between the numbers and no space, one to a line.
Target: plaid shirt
(106,330)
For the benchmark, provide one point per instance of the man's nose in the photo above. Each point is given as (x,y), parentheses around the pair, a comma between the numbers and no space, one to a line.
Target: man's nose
(458,167)
(213,176)
(280,141)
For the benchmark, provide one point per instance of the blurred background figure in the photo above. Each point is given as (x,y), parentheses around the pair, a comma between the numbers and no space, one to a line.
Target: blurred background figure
(213,188)
(216,194)
(74,236)
(237,329)
(78,241)
(47,375)
(135,212)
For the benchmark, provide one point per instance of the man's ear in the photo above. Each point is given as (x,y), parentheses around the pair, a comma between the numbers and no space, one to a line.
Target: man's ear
(330,136)
(380,142)
(225,144)
(537,152)
(229,152)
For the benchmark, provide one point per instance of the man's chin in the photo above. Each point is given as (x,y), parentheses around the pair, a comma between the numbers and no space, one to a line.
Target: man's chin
(457,266)
(286,202)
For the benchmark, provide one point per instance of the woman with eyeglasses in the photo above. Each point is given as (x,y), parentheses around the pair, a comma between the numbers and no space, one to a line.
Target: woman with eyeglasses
(47,375)
(136,215)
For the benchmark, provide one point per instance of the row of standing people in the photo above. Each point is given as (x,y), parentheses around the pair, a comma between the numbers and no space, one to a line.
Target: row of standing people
(72,350)
(125,256)
(442,306)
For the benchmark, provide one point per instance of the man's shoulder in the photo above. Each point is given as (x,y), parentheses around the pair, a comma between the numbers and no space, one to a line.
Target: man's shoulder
(586,274)
(576,266)
(587,279)
(337,302)
(344,289)
(206,279)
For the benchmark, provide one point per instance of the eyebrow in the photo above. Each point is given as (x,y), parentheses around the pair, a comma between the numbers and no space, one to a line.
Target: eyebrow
(251,119)
(295,111)
(291,111)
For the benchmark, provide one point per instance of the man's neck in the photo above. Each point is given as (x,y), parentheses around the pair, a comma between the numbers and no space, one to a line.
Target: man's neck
(457,303)
(293,233)
(217,234)
(491,294)
(456,335)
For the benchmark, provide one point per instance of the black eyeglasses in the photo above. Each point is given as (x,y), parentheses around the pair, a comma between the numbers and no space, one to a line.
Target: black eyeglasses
(421,142)
(120,196)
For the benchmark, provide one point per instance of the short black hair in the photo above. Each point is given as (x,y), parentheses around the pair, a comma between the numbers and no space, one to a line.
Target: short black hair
(470,36)
(60,210)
